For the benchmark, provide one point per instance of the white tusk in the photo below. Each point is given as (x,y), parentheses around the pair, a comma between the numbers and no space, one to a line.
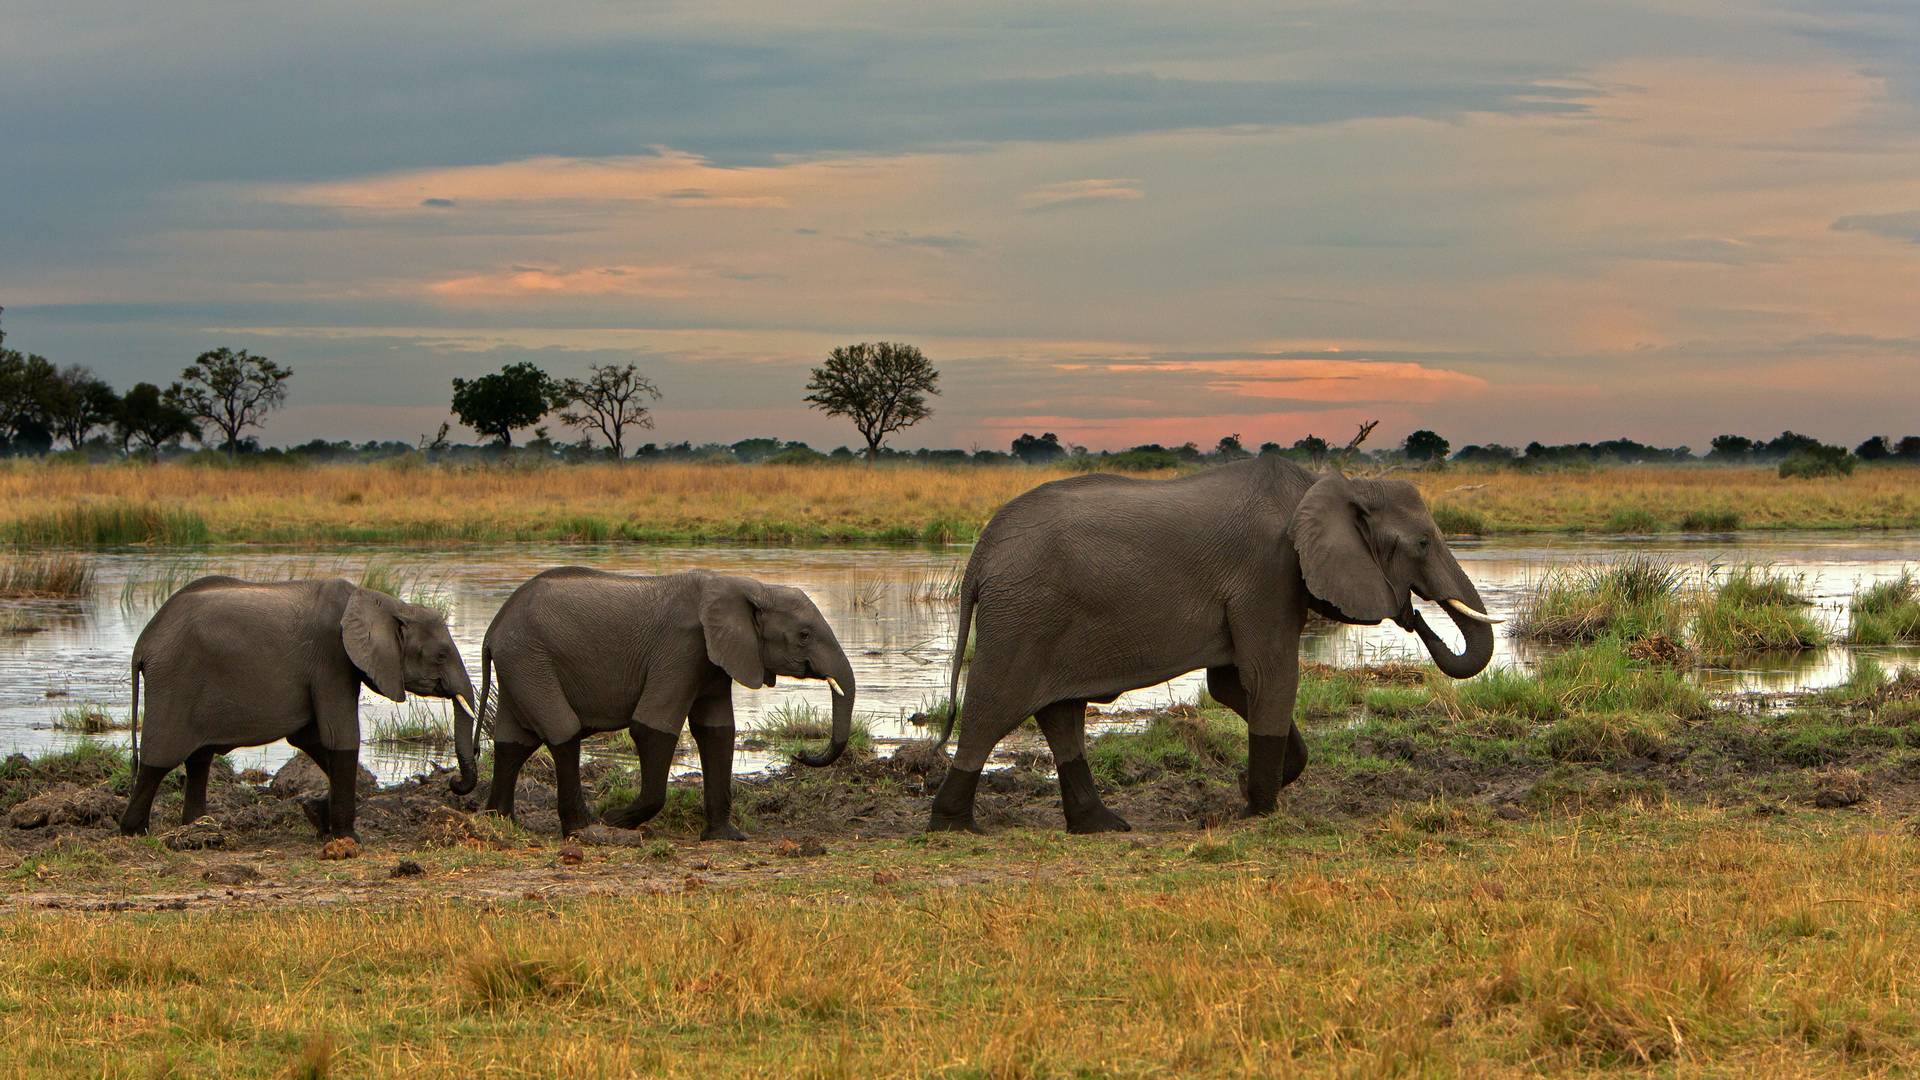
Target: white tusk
(835,685)
(1460,606)
(465,704)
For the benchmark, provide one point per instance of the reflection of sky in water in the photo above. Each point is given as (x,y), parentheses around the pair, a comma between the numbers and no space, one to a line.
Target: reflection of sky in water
(898,638)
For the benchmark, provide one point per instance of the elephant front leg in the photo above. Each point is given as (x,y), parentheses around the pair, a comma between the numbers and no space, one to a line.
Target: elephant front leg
(574,813)
(655,748)
(712,724)
(343,780)
(1276,753)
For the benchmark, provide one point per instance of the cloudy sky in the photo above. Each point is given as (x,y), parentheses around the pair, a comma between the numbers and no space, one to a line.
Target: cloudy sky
(1119,222)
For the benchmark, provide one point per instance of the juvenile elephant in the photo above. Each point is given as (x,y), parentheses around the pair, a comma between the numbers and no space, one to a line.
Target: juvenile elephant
(583,651)
(1084,588)
(231,663)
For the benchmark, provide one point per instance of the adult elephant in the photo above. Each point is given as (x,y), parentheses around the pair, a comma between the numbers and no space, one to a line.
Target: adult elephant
(582,651)
(230,663)
(1085,588)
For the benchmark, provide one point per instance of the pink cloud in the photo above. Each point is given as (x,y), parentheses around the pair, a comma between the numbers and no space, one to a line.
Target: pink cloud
(1322,380)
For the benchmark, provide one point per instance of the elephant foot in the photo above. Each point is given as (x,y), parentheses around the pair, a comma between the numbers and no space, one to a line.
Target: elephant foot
(953,805)
(633,815)
(1250,811)
(1098,820)
(723,831)
(133,828)
(963,823)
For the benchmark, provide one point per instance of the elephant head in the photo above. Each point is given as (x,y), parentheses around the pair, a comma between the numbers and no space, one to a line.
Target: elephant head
(403,649)
(756,632)
(1368,547)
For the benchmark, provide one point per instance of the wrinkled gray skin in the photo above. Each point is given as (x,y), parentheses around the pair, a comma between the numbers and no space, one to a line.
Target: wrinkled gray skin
(231,663)
(582,651)
(1084,588)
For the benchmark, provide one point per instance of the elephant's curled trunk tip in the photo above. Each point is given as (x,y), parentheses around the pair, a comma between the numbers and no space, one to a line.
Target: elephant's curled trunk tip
(842,690)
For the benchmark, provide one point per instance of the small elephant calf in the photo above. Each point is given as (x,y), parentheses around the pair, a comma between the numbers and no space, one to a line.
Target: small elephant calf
(581,651)
(230,663)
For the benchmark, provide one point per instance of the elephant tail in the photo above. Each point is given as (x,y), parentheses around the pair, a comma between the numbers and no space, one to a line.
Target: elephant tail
(482,726)
(969,589)
(133,717)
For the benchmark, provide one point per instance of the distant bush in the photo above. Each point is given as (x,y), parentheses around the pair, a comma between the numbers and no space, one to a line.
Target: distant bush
(1458,521)
(1710,521)
(1632,521)
(1815,461)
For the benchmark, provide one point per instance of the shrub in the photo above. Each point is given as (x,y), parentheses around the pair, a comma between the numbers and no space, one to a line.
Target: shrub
(1812,462)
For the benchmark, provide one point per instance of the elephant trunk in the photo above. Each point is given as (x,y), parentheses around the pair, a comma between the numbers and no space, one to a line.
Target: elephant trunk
(839,676)
(463,737)
(1477,636)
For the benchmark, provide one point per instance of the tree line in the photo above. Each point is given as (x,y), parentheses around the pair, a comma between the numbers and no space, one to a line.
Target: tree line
(880,387)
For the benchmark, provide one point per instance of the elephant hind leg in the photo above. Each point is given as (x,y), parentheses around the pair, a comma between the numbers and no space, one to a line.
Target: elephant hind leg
(983,723)
(193,803)
(507,759)
(139,812)
(574,814)
(1064,723)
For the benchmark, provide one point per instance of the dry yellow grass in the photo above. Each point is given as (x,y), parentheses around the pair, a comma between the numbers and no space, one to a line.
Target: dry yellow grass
(190,503)
(1694,940)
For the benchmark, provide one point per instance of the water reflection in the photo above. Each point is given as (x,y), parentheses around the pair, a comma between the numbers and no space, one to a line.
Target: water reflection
(890,607)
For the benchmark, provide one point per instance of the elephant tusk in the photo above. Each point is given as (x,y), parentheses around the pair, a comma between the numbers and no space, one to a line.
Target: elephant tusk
(1463,608)
(465,704)
(834,685)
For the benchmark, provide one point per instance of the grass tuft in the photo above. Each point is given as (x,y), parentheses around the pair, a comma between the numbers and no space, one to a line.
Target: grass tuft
(1887,613)
(59,576)
(1631,599)
(1751,611)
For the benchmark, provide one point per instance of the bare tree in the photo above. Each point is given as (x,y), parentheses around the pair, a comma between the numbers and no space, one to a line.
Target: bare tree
(610,400)
(881,387)
(230,390)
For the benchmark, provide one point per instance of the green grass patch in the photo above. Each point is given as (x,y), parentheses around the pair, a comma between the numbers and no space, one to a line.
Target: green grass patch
(1710,521)
(1182,741)
(90,719)
(793,726)
(112,524)
(420,725)
(1751,611)
(1633,521)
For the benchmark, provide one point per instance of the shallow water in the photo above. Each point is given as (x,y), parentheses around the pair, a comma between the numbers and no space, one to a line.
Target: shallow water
(888,606)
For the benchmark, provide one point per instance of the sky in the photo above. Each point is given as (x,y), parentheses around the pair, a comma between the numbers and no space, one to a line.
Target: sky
(1118,222)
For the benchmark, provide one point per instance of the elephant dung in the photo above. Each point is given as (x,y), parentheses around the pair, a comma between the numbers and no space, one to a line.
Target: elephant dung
(199,835)
(232,874)
(301,777)
(65,804)
(340,847)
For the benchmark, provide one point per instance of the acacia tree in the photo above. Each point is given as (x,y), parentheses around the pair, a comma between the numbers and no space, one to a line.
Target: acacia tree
(79,401)
(516,396)
(232,391)
(1424,445)
(609,399)
(148,416)
(26,383)
(881,387)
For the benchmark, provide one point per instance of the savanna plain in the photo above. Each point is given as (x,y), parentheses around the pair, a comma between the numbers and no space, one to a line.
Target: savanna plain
(1591,866)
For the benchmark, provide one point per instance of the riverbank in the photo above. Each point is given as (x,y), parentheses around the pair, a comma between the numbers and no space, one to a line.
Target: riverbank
(177,504)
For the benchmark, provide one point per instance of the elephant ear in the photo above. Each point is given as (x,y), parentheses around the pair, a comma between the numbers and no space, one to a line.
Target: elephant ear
(1335,558)
(728,616)
(370,629)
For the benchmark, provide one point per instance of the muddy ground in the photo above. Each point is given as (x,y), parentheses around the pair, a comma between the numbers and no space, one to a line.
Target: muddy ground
(60,847)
